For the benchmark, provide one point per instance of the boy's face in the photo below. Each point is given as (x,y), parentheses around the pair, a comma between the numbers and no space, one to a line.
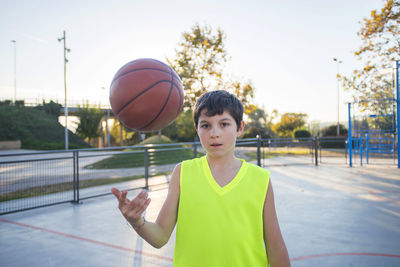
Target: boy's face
(218,133)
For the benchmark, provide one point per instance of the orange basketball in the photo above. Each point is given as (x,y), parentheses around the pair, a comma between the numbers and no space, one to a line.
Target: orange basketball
(146,95)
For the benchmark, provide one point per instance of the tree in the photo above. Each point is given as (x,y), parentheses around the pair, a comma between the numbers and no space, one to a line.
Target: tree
(244,92)
(259,123)
(123,136)
(89,122)
(380,35)
(199,61)
(182,129)
(288,123)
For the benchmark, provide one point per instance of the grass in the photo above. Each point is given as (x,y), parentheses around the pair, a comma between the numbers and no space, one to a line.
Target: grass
(157,156)
(132,160)
(35,128)
(333,152)
(156,139)
(63,187)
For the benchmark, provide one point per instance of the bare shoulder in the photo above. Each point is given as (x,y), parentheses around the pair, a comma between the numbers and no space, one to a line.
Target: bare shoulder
(269,196)
(178,167)
(175,178)
(176,173)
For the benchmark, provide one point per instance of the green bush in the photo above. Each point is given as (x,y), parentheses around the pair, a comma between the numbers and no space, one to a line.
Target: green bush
(252,132)
(301,133)
(182,129)
(333,142)
(332,130)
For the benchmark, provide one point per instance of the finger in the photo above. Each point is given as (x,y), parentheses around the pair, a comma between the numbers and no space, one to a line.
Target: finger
(142,194)
(115,192)
(140,199)
(122,197)
(144,206)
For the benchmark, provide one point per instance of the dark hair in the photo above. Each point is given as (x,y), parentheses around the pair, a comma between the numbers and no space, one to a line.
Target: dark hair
(216,102)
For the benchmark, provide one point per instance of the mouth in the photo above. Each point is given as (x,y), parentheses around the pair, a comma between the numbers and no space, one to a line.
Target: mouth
(216,145)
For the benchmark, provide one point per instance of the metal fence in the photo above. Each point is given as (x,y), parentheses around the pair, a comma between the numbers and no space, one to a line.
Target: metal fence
(32,180)
(315,150)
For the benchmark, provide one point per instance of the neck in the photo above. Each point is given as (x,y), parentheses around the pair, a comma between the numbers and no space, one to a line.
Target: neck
(222,161)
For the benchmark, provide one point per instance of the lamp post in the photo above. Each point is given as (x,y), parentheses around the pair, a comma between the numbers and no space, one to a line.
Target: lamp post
(65,50)
(107,118)
(15,69)
(398,111)
(338,89)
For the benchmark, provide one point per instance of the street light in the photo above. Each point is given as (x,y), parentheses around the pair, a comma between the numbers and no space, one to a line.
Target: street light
(15,70)
(338,89)
(107,118)
(65,88)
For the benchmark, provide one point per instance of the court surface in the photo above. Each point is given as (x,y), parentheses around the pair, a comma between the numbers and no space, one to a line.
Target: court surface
(330,215)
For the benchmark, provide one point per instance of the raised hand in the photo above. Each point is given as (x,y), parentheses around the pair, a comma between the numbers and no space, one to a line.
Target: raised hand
(132,209)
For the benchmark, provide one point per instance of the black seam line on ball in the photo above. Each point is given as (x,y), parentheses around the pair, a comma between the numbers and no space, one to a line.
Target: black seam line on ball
(141,93)
(125,73)
(165,103)
(174,75)
(180,100)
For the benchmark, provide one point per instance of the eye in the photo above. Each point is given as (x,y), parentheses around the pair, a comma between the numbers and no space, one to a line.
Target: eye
(224,124)
(204,126)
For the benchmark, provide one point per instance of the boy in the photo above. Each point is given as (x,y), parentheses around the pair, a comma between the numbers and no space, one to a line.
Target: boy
(223,207)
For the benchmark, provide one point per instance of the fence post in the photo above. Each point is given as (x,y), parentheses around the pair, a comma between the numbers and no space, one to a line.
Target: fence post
(320,149)
(361,150)
(316,149)
(398,112)
(146,167)
(258,150)
(194,150)
(350,138)
(76,176)
(367,147)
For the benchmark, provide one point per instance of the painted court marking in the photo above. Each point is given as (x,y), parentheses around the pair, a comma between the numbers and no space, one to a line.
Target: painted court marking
(88,240)
(171,260)
(344,254)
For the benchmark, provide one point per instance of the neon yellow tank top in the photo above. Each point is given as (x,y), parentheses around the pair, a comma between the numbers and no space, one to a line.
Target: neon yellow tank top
(220,226)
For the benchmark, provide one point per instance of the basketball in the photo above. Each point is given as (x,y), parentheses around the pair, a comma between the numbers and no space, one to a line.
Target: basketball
(146,95)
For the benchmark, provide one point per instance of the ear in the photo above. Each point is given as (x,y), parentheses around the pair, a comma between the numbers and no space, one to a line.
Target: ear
(241,128)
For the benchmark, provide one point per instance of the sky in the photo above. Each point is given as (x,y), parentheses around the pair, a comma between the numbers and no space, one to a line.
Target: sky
(285,48)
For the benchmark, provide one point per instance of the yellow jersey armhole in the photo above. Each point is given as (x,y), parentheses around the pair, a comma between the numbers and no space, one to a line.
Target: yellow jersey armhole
(181,175)
(268,174)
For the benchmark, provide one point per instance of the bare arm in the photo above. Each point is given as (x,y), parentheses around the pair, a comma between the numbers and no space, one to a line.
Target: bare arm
(276,248)
(158,233)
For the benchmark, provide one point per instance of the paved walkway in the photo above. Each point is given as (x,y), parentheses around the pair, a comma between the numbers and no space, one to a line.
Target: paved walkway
(329,215)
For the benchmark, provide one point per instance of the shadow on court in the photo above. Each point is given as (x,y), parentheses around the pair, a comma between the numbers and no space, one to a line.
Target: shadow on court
(329,216)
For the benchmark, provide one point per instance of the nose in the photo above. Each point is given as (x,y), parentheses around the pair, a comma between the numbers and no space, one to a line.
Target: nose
(214,132)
